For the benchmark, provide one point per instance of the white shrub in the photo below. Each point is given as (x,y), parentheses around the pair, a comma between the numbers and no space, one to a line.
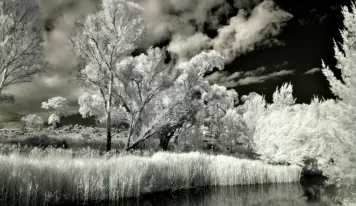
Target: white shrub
(33,121)
(54,119)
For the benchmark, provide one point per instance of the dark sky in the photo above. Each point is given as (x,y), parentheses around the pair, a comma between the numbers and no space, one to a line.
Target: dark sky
(308,38)
(303,42)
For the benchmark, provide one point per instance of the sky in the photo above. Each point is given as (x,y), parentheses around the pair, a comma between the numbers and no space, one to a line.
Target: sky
(265,43)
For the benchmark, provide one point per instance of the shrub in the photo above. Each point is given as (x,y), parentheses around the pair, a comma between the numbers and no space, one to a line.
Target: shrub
(33,121)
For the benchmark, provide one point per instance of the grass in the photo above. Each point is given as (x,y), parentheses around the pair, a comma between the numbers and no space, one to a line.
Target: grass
(54,176)
(69,137)
(349,198)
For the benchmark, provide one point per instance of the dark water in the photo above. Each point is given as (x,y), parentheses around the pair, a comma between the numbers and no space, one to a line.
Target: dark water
(274,195)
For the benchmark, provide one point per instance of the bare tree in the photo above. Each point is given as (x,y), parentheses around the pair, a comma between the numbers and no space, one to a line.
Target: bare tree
(21,49)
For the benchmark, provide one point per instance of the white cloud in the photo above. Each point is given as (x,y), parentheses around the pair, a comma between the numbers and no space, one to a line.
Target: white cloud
(260,79)
(245,31)
(312,71)
(245,78)
(187,47)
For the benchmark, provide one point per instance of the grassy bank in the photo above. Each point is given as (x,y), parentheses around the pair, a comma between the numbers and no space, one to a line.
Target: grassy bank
(53,177)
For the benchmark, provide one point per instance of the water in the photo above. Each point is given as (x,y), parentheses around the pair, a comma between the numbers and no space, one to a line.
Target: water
(257,195)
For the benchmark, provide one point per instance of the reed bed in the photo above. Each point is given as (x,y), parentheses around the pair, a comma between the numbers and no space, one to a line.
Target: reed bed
(51,178)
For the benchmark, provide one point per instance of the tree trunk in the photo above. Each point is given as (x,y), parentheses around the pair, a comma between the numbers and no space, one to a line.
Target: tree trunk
(164,141)
(108,131)
(2,80)
(129,134)
(137,143)
(108,114)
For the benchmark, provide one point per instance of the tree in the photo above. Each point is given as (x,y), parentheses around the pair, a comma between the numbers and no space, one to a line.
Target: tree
(54,120)
(253,107)
(61,107)
(21,43)
(175,97)
(283,97)
(33,121)
(153,97)
(103,42)
(344,89)
(346,58)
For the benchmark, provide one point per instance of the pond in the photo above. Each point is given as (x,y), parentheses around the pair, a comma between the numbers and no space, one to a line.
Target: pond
(257,195)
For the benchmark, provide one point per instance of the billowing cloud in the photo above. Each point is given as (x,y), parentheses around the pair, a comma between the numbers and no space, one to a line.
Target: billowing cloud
(243,34)
(166,18)
(246,31)
(187,47)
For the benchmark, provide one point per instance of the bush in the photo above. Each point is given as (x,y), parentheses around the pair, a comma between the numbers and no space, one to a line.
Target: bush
(33,121)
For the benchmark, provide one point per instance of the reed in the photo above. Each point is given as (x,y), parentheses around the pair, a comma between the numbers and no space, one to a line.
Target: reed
(49,178)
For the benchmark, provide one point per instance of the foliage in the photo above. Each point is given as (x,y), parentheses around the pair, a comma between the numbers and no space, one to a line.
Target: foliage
(283,97)
(294,133)
(344,89)
(103,42)
(33,121)
(54,119)
(345,56)
(59,104)
(6,98)
(61,107)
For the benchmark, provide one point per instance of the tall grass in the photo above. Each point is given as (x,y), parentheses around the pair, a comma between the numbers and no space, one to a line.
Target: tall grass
(347,197)
(51,178)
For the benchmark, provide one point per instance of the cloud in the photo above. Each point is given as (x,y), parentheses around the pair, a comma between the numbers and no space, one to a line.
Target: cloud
(182,23)
(221,77)
(245,78)
(260,79)
(312,71)
(245,32)
(187,47)
(166,18)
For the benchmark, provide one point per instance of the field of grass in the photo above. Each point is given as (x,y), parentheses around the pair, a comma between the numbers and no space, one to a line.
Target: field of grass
(69,137)
(53,176)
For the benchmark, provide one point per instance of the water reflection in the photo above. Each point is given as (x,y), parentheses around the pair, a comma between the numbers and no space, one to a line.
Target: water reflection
(258,195)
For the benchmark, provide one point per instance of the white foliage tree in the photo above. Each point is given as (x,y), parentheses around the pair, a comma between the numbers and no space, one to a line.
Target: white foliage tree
(283,97)
(217,101)
(61,107)
(344,89)
(346,58)
(153,97)
(21,43)
(181,98)
(322,131)
(253,107)
(33,121)
(54,119)
(103,42)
